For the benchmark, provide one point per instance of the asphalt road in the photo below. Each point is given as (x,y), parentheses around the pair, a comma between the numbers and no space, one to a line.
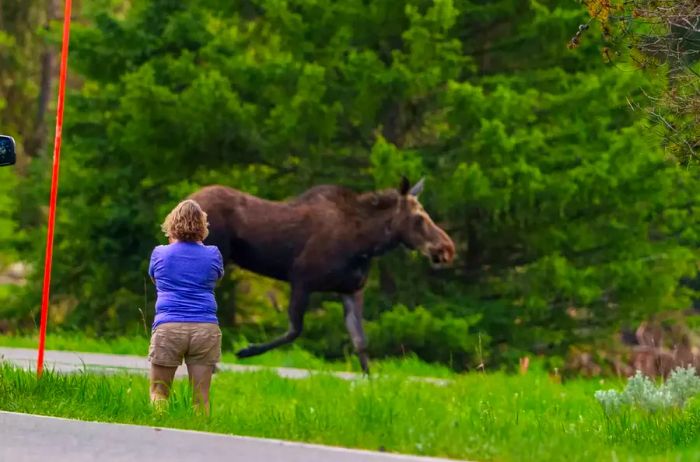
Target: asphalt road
(31,438)
(69,361)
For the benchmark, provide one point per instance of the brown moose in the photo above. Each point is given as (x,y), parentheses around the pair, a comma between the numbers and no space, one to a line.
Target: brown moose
(320,241)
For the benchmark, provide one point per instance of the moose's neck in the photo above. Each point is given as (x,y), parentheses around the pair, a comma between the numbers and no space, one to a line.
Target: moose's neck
(371,234)
(375,237)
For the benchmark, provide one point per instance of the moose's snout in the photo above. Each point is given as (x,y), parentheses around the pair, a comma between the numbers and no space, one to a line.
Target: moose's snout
(442,253)
(441,256)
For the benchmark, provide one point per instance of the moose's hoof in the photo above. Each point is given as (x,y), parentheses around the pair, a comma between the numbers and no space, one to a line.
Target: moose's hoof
(248,352)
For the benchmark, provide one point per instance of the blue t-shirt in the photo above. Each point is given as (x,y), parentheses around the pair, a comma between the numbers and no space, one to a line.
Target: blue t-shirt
(185,274)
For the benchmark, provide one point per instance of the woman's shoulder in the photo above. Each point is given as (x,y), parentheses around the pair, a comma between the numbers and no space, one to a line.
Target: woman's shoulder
(158,249)
(156,255)
(213,249)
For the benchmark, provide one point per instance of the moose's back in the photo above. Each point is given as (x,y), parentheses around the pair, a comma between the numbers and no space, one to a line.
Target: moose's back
(256,234)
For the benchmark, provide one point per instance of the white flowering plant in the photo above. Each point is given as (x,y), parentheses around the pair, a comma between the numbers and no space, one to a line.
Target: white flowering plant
(642,393)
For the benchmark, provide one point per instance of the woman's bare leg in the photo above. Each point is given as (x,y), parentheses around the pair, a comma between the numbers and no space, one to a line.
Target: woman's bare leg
(161,381)
(200,378)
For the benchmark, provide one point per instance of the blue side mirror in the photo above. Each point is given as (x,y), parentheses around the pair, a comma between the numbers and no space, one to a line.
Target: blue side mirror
(7,151)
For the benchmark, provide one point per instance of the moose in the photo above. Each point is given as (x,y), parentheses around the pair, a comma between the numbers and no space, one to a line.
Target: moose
(320,241)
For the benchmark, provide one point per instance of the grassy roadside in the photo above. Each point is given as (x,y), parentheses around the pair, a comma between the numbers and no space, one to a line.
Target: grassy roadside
(476,416)
(291,356)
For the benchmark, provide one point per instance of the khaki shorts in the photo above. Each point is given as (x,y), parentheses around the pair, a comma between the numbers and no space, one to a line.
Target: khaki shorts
(198,342)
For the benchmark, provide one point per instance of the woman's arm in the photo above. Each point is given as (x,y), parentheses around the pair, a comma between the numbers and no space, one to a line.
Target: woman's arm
(218,263)
(155,260)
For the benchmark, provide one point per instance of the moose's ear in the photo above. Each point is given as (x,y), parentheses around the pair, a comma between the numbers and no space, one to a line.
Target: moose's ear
(418,188)
(405,186)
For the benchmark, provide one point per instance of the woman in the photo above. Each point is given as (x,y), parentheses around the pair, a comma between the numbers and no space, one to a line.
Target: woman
(185,273)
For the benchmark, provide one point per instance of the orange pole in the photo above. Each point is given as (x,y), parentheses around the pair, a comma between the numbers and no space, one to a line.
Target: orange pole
(54,188)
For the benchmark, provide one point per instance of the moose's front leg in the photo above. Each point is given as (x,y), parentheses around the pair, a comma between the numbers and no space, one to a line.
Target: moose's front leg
(298,302)
(353,305)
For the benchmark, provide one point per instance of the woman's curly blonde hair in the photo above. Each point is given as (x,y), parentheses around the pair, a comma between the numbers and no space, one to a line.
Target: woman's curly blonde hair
(186,222)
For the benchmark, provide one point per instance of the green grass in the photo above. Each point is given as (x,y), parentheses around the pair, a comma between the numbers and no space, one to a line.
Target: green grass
(291,356)
(476,416)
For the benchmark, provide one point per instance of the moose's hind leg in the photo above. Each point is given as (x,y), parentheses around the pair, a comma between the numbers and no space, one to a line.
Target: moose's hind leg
(353,305)
(297,307)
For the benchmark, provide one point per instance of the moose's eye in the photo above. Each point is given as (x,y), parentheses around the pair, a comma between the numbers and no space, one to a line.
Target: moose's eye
(418,221)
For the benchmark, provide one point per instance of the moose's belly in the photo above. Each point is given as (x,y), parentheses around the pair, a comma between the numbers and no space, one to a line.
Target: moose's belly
(274,261)
(347,280)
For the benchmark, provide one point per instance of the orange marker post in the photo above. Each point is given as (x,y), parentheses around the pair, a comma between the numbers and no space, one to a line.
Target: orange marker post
(54,188)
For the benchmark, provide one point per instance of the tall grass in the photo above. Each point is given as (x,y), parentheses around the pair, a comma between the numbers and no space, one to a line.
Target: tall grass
(475,416)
